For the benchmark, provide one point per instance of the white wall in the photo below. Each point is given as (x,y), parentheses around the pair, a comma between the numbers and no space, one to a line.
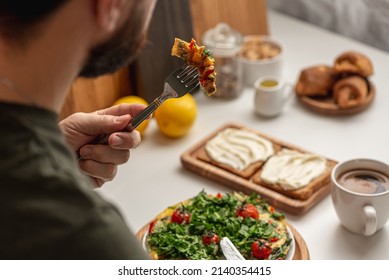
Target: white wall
(363,20)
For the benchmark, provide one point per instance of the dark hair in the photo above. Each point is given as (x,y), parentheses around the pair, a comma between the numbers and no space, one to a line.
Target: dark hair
(19,18)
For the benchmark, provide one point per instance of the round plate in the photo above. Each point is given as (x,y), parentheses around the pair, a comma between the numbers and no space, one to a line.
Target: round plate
(292,247)
(298,248)
(327,105)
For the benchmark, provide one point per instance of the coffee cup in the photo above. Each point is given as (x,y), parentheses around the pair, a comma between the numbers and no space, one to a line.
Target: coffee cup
(360,195)
(271,94)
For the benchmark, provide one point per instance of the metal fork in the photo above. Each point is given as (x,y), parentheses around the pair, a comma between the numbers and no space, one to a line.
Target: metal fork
(181,81)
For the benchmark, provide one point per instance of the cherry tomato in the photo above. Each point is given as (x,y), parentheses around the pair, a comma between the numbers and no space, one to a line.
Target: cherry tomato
(248,210)
(210,238)
(274,239)
(219,195)
(151,226)
(207,73)
(261,249)
(202,81)
(191,44)
(179,216)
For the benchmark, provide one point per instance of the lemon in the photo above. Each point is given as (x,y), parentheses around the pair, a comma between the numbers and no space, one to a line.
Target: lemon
(176,116)
(133,99)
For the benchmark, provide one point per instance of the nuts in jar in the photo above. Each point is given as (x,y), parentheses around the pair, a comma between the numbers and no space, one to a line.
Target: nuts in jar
(260,56)
(256,49)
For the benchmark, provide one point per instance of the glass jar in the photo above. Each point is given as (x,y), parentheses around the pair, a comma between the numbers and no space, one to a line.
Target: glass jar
(225,44)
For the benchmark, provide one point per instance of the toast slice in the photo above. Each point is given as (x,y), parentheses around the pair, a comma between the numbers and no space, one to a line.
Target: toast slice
(304,192)
(247,172)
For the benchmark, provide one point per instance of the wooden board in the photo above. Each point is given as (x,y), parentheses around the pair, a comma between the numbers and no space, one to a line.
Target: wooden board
(282,202)
(327,105)
(91,94)
(300,252)
(249,17)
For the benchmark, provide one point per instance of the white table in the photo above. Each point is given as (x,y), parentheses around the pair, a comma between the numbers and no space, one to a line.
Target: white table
(154,177)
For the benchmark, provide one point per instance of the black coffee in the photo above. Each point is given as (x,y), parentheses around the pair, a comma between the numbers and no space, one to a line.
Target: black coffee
(364,181)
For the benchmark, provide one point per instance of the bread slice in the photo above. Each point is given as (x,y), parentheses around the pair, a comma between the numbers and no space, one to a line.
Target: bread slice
(246,173)
(302,193)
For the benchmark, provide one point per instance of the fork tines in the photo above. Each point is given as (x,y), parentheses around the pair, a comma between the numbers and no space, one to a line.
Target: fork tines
(188,76)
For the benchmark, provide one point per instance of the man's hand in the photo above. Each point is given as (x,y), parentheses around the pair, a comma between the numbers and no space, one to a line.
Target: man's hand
(100,161)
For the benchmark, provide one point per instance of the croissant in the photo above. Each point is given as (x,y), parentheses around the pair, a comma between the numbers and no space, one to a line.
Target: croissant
(316,81)
(354,63)
(350,92)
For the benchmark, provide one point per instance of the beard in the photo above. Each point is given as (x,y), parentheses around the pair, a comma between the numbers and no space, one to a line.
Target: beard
(119,51)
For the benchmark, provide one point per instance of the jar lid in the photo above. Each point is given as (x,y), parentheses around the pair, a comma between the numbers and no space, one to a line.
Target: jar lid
(223,40)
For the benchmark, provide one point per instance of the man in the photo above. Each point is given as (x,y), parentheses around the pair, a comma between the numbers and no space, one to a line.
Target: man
(48,209)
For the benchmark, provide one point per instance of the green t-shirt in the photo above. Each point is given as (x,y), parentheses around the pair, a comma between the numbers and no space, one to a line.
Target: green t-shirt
(48,209)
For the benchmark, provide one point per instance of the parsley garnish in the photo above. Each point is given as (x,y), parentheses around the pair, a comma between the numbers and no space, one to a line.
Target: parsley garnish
(208,53)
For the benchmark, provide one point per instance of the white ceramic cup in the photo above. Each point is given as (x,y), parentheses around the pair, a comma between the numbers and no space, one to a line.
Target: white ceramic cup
(271,94)
(252,69)
(360,213)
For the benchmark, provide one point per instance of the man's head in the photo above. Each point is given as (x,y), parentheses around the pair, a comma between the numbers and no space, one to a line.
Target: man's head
(21,21)
(124,45)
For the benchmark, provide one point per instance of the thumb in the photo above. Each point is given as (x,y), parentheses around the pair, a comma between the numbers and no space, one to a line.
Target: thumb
(104,124)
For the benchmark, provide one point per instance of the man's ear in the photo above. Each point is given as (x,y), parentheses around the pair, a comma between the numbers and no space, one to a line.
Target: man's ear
(107,13)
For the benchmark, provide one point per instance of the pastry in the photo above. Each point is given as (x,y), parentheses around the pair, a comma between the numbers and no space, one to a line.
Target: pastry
(199,57)
(316,81)
(193,229)
(353,63)
(350,92)
(295,174)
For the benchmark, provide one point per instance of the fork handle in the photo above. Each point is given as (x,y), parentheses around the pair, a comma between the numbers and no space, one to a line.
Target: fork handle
(135,121)
(144,114)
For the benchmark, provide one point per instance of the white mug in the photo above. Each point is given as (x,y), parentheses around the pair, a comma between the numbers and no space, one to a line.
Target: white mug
(271,94)
(360,201)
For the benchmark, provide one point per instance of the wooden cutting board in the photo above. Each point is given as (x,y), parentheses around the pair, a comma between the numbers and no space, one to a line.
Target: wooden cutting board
(249,17)
(191,161)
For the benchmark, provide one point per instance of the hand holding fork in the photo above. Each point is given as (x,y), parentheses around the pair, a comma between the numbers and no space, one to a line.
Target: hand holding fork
(181,81)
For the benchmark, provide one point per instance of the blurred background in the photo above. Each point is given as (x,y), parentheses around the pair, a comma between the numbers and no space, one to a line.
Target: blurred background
(184,19)
(363,20)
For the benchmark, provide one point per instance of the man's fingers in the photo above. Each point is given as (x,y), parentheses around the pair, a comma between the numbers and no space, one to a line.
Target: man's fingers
(124,140)
(112,119)
(106,124)
(122,109)
(97,182)
(102,171)
(104,154)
